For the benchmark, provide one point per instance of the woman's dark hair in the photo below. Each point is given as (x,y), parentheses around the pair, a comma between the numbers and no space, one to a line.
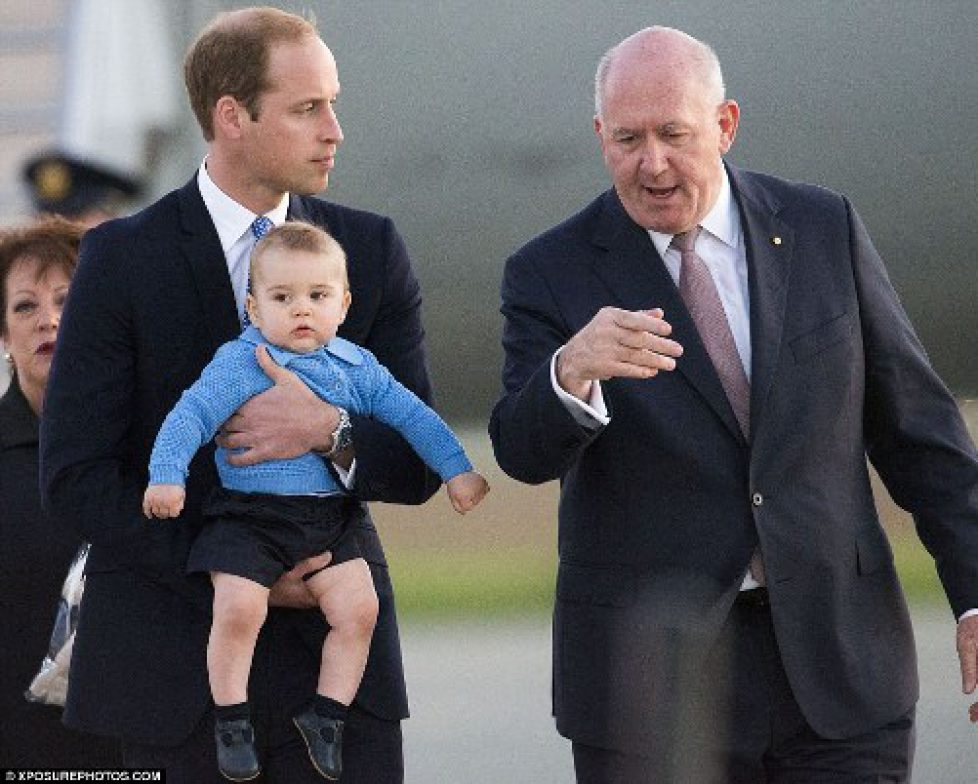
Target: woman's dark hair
(50,241)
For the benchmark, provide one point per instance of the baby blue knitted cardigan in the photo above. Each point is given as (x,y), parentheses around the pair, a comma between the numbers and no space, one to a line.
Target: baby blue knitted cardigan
(341,373)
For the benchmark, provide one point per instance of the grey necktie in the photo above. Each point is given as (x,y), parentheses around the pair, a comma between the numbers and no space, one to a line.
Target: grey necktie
(699,292)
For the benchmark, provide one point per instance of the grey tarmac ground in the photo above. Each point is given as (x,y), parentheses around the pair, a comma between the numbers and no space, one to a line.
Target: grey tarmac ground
(480,700)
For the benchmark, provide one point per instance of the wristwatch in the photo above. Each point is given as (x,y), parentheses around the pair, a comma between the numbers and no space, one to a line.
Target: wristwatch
(342,434)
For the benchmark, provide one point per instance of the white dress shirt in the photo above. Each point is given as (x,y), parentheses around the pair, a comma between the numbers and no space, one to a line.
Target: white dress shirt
(233,223)
(721,246)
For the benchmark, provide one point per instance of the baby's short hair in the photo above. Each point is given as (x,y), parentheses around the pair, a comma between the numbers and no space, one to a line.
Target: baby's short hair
(299,236)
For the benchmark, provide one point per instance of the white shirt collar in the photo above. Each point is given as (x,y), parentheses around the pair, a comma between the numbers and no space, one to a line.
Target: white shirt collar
(230,218)
(722,221)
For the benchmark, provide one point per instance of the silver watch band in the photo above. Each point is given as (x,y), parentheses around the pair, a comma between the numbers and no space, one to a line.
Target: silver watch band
(342,434)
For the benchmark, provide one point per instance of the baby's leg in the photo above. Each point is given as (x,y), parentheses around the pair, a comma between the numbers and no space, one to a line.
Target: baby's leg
(240,607)
(346,596)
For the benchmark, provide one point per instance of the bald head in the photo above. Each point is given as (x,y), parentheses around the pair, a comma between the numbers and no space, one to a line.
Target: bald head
(664,125)
(660,50)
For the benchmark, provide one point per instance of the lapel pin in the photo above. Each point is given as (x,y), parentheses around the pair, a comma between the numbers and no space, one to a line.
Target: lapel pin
(775,240)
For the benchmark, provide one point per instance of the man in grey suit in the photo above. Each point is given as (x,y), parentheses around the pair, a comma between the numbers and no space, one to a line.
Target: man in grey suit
(727,606)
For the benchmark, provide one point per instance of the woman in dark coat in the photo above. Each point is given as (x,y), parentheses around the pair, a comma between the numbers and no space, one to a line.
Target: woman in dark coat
(36,265)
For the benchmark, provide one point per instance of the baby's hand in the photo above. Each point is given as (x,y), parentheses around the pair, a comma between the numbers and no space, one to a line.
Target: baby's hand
(466,490)
(163,500)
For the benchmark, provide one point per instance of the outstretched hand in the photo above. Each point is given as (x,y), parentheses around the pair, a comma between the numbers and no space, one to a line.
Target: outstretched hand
(282,422)
(466,491)
(163,501)
(967,643)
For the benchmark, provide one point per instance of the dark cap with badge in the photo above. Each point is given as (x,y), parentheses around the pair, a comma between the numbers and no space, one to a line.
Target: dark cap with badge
(74,188)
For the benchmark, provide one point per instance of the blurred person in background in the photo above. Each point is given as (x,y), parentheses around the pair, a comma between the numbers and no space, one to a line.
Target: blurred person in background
(155,295)
(36,266)
(705,357)
(83,191)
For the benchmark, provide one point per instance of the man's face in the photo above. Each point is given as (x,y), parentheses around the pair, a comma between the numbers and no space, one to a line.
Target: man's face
(662,136)
(291,144)
(299,299)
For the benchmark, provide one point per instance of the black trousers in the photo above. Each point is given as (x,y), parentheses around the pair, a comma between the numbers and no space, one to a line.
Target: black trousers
(750,730)
(283,679)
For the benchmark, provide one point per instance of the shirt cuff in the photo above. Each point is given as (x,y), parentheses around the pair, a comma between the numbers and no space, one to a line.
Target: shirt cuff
(347,477)
(749,582)
(594,413)
(968,614)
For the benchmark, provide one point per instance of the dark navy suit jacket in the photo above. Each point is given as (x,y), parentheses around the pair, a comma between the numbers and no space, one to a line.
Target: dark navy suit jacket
(661,509)
(150,303)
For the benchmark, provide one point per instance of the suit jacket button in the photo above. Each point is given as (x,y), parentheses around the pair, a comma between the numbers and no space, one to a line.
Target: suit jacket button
(757,499)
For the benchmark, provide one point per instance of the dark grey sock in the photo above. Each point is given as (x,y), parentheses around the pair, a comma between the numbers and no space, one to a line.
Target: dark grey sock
(329,708)
(241,710)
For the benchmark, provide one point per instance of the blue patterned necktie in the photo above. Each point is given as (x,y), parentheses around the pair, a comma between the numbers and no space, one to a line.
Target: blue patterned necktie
(260,226)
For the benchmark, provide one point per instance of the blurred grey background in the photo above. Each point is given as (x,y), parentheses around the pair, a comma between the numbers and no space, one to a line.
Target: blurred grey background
(470,124)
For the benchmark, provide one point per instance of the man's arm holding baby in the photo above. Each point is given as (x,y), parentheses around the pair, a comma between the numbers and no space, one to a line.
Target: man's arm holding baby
(285,421)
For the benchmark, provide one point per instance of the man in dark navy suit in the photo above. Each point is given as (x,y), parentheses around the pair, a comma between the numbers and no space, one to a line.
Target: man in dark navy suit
(154,296)
(705,357)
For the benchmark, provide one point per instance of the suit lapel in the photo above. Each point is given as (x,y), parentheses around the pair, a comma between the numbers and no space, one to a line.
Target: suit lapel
(297,209)
(630,265)
(201,248)
(770,244)
(633,270)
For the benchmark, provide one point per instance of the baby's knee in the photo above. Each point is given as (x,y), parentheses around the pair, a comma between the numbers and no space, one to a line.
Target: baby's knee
(239,614)
(356,610)
(365,608)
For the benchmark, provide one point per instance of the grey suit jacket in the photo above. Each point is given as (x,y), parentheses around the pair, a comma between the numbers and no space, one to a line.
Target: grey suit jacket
(661,509)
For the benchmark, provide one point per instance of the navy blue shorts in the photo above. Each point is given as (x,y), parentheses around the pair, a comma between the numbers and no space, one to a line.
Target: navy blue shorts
(261,536)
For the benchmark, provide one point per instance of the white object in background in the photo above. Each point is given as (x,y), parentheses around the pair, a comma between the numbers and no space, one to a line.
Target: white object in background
(121,81)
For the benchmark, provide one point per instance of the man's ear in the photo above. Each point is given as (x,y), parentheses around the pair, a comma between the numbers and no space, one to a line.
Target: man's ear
(228,117)
(729,119)
(599,130)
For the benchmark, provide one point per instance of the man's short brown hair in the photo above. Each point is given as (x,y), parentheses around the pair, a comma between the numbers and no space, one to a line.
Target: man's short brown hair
(230,57)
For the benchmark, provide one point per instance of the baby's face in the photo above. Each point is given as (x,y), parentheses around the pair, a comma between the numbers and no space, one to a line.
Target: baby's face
(299,299)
